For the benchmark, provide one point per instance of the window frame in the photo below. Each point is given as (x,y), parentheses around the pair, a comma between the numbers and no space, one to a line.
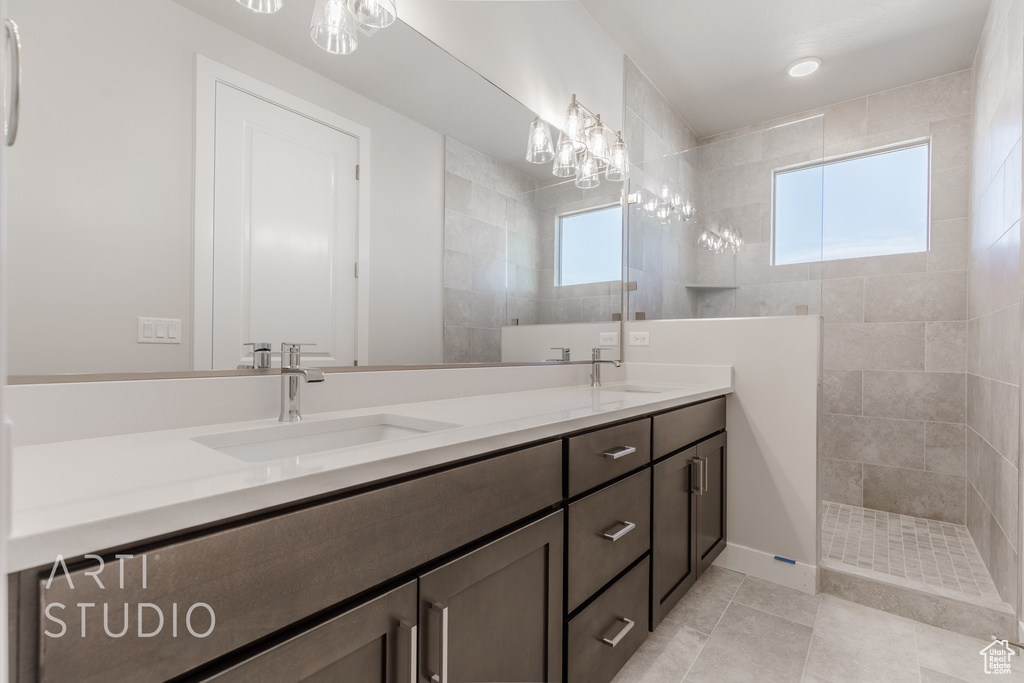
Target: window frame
(558,239)
(850,156)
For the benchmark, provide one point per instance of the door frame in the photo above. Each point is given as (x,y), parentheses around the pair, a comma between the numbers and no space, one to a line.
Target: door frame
(208,74)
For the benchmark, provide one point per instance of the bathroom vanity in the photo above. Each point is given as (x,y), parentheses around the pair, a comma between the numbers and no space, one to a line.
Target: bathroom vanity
(547,560)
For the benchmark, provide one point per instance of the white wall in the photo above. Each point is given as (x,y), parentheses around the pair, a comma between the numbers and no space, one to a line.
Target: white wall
(531,343)
(538,52)
(100,196)
(772,425)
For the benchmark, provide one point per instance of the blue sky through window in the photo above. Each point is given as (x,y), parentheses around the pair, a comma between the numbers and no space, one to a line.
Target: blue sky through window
(591,247)
(865,206)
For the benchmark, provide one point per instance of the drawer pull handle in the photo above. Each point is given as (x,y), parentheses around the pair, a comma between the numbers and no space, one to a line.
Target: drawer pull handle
(626,628)
(629,526)
(442,664)
(619,452)
(697,488)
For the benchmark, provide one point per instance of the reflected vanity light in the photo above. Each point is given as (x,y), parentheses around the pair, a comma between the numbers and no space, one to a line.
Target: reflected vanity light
(803,67)
(539,147)
(374,13)
(261,6)
(667,205)
(720,239)
(333,27)
(584,150)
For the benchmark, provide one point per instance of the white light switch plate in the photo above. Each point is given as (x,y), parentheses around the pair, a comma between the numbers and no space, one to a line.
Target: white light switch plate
(639,338)
(159,330)
(608,339)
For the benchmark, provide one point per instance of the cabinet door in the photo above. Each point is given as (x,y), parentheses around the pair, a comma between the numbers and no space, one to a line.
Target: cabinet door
(674,550)
(372,643)
(495,614)
(711,503)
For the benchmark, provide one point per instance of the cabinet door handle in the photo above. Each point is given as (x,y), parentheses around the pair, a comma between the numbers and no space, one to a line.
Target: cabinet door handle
(442,663)
(619,452)
(409,631)
(704,471)
(697,488)
(626,628)
(628,526)
(14,44)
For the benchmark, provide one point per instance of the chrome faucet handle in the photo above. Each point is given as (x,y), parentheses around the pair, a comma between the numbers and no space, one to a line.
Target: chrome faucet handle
(564,350)
(258,346)
(260,356)
(294,351)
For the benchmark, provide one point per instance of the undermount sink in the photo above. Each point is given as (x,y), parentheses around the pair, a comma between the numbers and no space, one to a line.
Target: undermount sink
(266,444)
(633,389)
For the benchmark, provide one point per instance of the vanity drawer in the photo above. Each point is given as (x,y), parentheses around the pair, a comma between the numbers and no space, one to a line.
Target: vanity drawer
(608,530)
(600,456)
(688,425)
(268,574)
(607,633)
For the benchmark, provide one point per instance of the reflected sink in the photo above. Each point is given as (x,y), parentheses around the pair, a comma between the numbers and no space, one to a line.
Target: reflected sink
(633,389)
(266,444)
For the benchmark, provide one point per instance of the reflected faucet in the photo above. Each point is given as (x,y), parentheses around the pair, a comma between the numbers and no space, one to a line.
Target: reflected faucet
(595,374)
(564,350)
(291,371)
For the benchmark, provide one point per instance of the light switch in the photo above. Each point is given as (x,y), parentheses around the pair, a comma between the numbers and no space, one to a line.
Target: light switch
(159,331)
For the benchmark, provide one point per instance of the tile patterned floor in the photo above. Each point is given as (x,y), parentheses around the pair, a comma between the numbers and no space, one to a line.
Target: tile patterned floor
(735,628)
(913,551)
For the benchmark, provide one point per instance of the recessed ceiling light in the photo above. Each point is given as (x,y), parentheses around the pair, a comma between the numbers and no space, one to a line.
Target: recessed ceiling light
(803,67)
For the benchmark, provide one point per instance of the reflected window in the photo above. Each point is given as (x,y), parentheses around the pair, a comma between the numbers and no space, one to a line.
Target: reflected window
(589,246)
(869,205)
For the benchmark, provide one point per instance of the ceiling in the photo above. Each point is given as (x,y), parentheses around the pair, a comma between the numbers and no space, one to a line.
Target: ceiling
(722,63)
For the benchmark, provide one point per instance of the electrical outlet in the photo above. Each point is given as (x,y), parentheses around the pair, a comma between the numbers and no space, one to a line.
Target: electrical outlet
(608,339)
(639,338)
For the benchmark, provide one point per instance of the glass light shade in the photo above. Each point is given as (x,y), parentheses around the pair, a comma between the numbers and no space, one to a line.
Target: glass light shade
(575,126)
(587,172)
(262,6)
(598,143)
(539,147)
(565,159)
(375,13)
(333,27)
(618,162)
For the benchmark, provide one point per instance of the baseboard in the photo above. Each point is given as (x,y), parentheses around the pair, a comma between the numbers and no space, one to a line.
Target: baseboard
(762,565)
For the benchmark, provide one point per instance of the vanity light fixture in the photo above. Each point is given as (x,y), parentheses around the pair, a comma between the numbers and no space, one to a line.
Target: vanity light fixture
(803,67)
(720,240)
(539,148)
(585,148)
(374,13)
(333,27)
(667,205)
(261,6)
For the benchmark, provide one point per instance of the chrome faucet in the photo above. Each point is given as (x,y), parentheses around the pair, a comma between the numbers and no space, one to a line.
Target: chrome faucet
(260,356)
(595,374)
(564,350)
(291,371)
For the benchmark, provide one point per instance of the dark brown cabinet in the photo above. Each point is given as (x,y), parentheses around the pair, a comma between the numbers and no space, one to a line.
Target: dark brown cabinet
(372,643)
(673,570)
(495,614)
(710,502)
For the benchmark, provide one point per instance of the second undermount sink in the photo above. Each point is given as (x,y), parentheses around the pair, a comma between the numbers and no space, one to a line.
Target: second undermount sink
(265,444)
(633,388)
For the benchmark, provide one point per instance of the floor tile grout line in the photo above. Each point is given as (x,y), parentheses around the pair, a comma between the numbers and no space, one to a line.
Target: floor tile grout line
(715,627)
(810,643)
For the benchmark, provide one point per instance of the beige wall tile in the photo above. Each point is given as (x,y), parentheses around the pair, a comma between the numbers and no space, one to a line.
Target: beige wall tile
(948,248)
(950,193)
(780,298)
(995,277)
(916,296)
(841,391)
(946,346)
(805,135)
(993,410)
(842,301)
(951,142)
(753,267)
(846,121)
(456,344)
(841,481)
(945,448)
(915,492)
(987,213)
(932,100)
(879,441)
(994,343)
(997,485)
(933,396)
(744,149)
(875,346)
(876,265)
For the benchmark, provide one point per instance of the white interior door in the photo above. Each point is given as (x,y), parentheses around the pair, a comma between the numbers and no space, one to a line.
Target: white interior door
(284,234)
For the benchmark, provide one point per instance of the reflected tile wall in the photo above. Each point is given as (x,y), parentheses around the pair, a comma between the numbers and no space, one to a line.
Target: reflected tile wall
(477,190)
(994,295)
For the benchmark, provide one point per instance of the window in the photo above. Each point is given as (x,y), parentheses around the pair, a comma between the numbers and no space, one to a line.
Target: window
(590,246)
(869,205)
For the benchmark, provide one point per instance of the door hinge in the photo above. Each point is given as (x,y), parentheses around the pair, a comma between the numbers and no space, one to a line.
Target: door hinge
(357,269)
(357,171)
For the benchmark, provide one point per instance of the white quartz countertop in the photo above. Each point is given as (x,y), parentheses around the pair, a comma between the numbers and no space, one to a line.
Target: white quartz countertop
(76,497)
